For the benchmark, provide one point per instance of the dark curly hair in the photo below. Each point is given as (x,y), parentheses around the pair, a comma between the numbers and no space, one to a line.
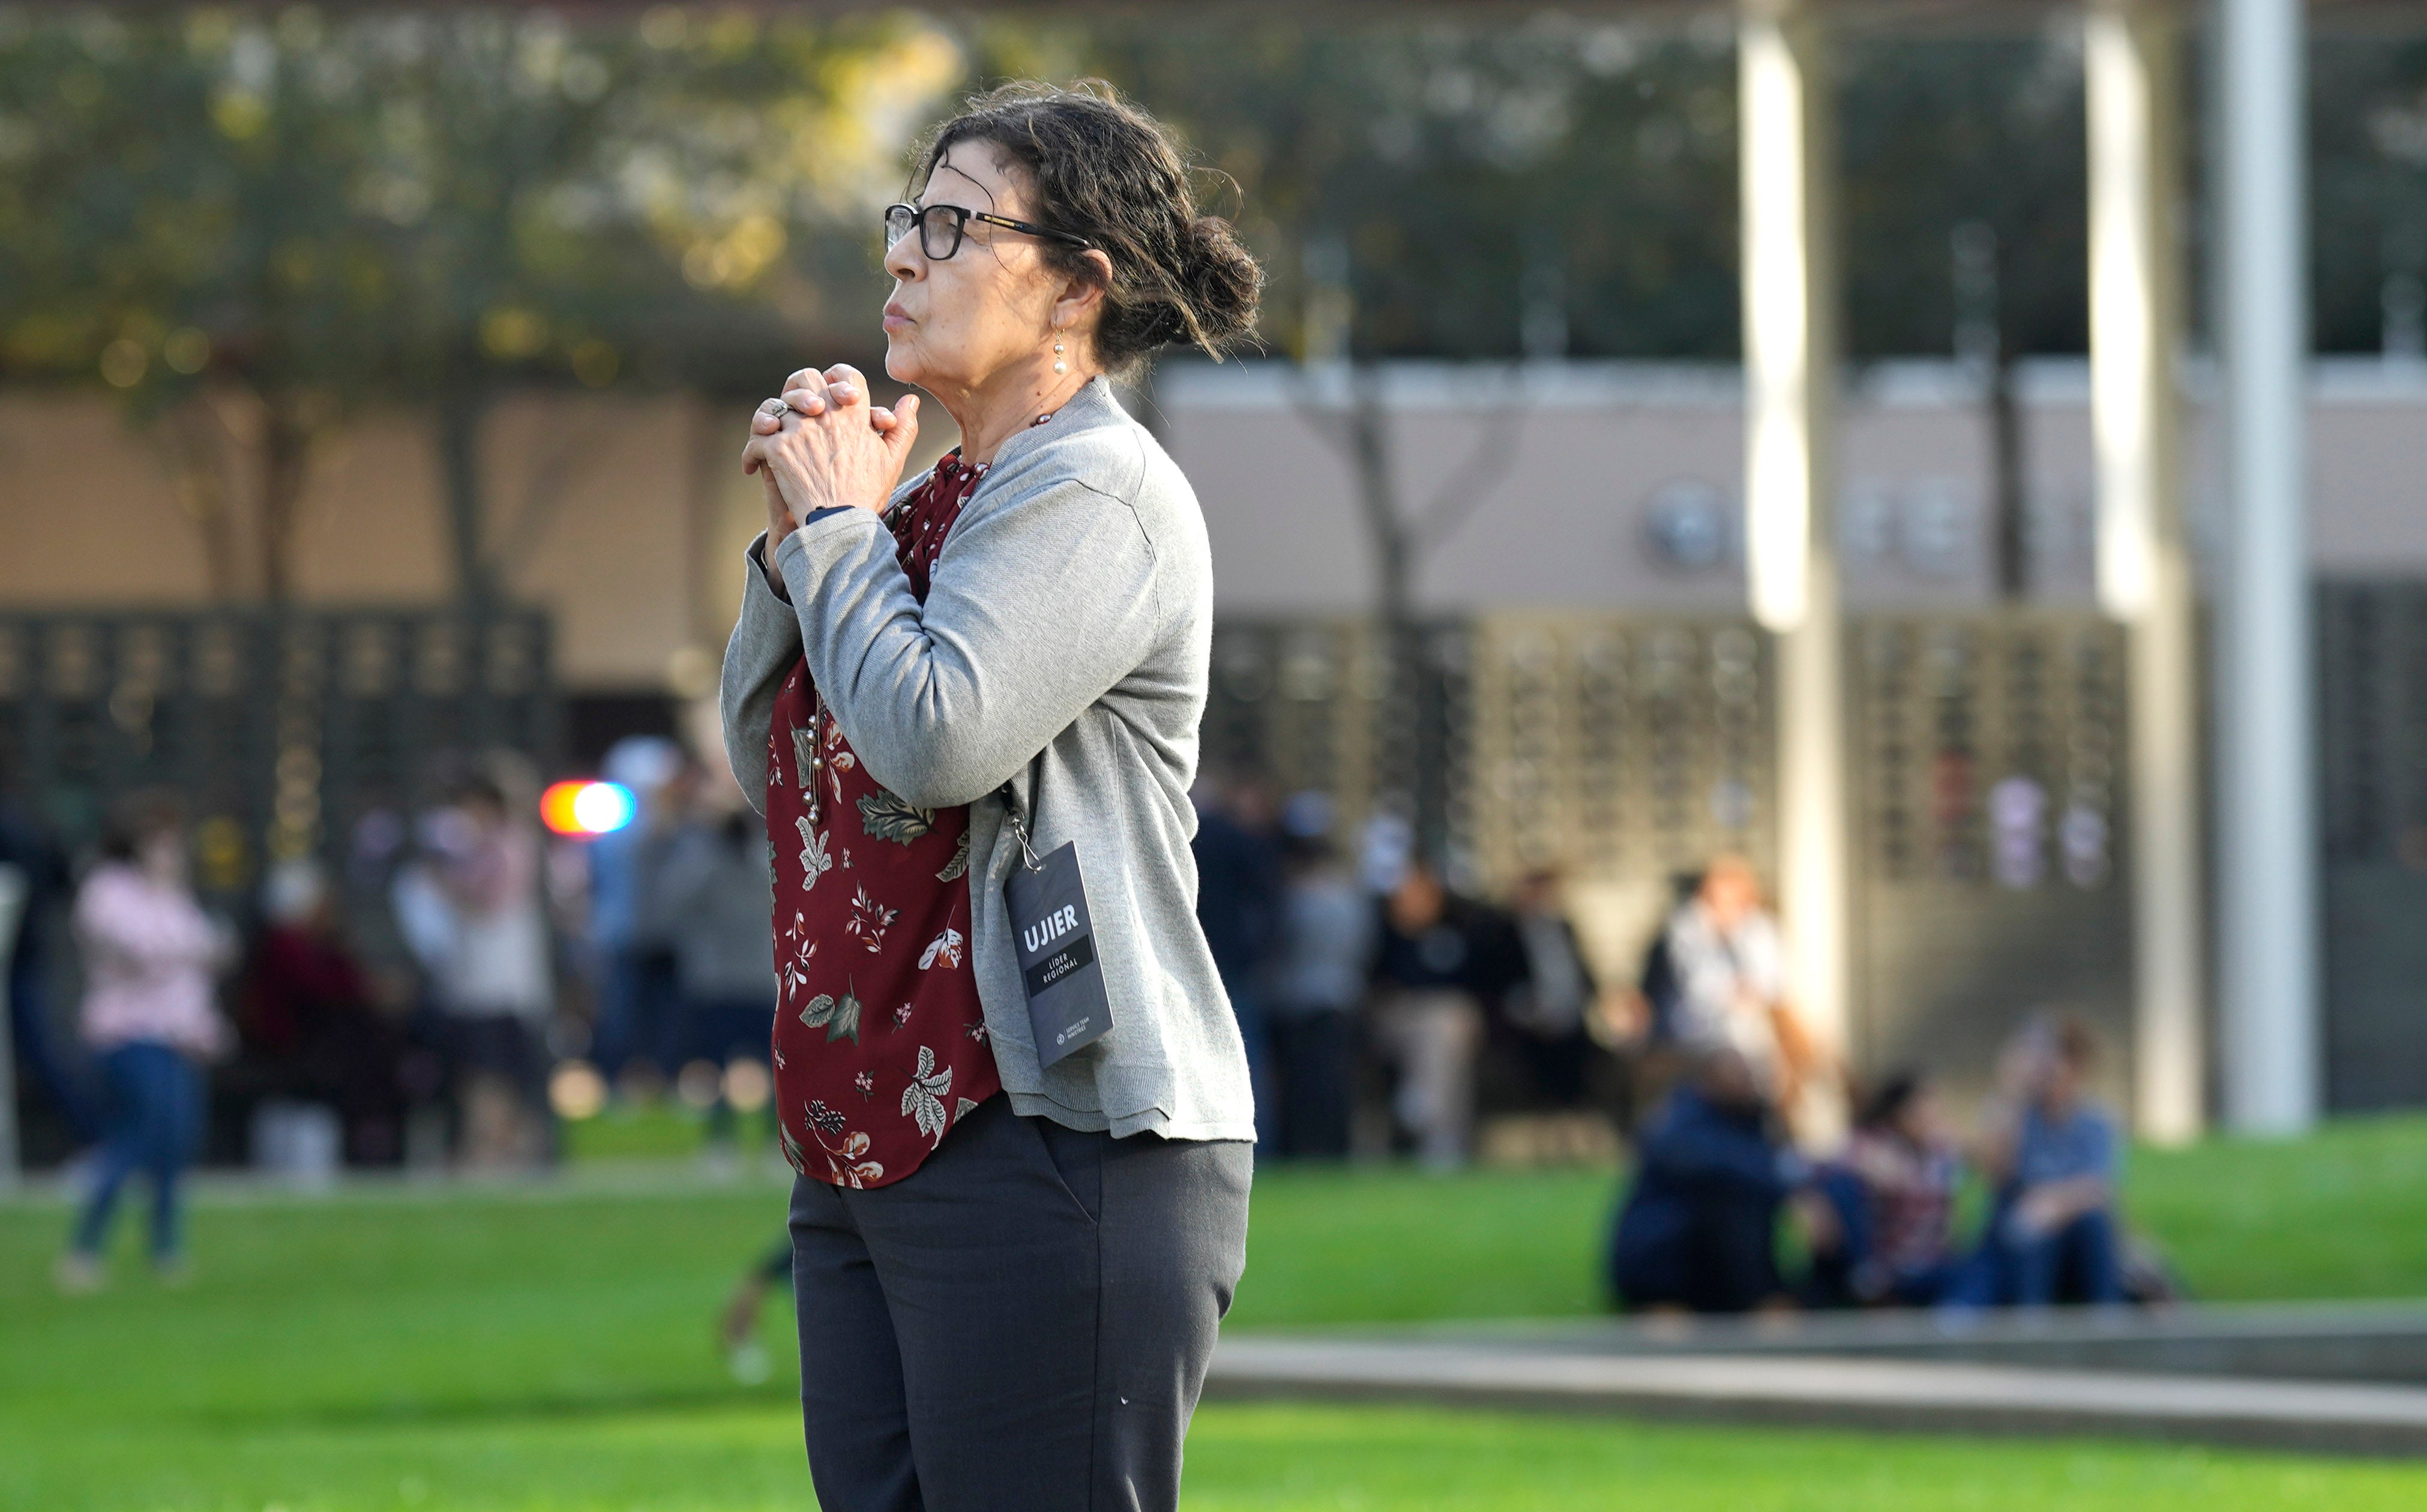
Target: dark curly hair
(1103,170)
(136,819)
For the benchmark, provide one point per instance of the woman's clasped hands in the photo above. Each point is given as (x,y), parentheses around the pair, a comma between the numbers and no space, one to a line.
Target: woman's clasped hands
(824,443)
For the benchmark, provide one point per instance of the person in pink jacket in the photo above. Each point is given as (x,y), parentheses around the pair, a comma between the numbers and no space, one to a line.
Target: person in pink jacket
(151,955)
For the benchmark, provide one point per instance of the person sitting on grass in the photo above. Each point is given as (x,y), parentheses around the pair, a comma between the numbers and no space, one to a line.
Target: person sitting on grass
(1698,1230)
(1894,1189)
(2052,1156)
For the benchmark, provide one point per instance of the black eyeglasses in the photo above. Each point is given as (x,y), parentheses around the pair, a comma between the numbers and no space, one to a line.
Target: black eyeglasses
(940,227)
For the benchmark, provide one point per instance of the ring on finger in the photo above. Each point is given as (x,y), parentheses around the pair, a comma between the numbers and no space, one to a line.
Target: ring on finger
(773,407)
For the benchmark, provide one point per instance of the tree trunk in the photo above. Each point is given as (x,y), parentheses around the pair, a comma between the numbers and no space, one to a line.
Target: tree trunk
(2011,505)
(462,407)
(197,456)
(287,433)
(1400,778)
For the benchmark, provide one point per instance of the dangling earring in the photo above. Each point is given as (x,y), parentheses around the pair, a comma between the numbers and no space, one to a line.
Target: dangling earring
(1059,365)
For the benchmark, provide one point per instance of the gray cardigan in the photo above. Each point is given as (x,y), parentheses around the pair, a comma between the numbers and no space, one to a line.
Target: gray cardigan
(1063,647)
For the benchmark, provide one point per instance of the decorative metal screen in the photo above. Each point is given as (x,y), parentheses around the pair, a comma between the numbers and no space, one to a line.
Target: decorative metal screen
(1986,759)
(1612,748)
(281,732)
(2373,780)
(1989,759)
(1618,750)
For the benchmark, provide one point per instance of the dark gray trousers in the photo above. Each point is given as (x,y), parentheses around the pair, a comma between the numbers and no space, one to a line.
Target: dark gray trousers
(1024,1321)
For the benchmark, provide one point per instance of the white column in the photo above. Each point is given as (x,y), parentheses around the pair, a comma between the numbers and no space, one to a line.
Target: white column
(2266,819)
(1790,350)
(2129,56)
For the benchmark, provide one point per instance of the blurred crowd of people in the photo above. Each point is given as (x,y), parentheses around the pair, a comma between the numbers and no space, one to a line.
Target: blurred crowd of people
(554,975)
(1717,1179)
(1384,1011)
(1387,1011)
(251,1020)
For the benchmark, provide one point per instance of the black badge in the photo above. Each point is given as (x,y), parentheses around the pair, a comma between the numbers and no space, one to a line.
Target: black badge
(1066,1008)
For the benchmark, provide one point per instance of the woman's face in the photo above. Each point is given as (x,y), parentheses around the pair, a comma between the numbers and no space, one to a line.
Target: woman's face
(955,323)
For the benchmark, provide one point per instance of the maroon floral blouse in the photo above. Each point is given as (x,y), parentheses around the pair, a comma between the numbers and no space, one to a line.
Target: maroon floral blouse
(880,1042)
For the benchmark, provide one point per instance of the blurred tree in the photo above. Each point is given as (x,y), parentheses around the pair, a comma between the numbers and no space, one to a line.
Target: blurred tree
(2368,124)
(1938,133)
(1966,223)
(253,223)
(1585,168)
(252,226)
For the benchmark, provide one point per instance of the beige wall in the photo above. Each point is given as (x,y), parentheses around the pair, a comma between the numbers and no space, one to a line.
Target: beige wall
(605,510)
(627,515)
(91,513)
(1602,446)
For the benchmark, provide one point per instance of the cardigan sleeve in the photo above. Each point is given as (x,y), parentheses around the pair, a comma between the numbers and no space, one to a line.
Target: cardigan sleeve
(766,641)
(1036,612)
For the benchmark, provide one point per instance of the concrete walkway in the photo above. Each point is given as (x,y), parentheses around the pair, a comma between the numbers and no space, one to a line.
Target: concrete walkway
(2382,1342)
(1834,1390)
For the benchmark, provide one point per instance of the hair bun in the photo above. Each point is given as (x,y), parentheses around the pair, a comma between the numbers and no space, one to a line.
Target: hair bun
(1221,280)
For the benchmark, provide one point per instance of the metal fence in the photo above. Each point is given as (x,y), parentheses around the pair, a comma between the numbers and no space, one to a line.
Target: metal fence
(1987,771)
(1990,881)
(2372,794)
(1629,750)
(284,732)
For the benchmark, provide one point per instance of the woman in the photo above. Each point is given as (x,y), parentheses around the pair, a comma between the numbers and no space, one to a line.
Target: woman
(473,911)
(1009,1266)
(149,953)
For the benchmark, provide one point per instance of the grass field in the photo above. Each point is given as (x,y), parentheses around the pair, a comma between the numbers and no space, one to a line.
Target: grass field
(2342,1214)
(550,1349)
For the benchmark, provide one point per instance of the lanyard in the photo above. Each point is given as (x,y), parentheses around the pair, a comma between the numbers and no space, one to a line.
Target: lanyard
(1013,817)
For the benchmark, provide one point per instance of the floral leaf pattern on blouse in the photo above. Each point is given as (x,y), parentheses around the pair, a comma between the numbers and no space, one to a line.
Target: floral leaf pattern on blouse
(945,948)
(839,758)
(845,1148)
(850,1170)
(839,1017)
(882,816)
(846,1021)
(870,919)
(851,1031)
(816,860)
(791,1147)
(958,867)
(795,964)
(922,1101)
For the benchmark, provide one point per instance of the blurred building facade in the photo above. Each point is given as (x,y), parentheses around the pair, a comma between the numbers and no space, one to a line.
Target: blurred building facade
(1598,696)
(1598,486)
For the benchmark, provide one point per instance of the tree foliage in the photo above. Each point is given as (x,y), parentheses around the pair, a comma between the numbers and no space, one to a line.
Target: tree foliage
(283,216)
(1584,170)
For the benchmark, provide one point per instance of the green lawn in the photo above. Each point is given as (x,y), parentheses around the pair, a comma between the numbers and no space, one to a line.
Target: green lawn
(746,1458)
(550,1349)
(2342,1214)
